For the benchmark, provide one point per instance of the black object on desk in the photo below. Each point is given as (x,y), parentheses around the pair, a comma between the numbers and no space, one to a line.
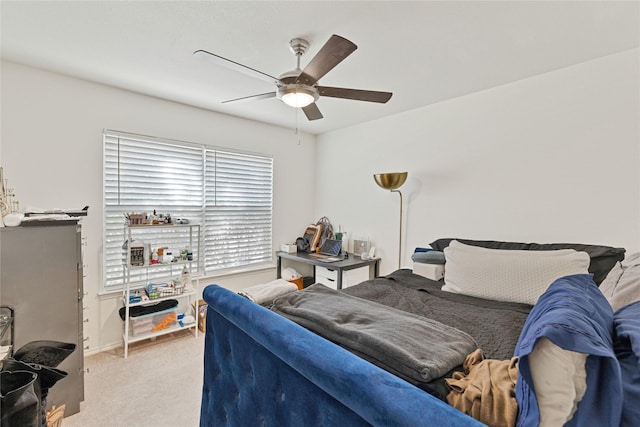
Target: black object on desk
(340,266)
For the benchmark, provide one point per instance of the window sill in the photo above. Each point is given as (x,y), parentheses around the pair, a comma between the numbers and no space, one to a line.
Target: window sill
(233,272)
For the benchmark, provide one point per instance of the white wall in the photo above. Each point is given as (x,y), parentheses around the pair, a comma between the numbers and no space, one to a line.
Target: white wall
(548,159)
(51,151)
(554,158)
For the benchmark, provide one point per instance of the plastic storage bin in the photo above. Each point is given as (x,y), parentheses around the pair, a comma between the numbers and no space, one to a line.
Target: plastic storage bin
(153,322)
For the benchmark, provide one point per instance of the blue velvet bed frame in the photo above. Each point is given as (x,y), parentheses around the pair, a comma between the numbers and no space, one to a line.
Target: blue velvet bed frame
(261,369)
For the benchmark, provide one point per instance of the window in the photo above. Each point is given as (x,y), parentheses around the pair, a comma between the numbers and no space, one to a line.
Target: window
(229,193)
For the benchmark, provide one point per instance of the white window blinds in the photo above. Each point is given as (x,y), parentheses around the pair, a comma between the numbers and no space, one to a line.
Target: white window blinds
(229,193)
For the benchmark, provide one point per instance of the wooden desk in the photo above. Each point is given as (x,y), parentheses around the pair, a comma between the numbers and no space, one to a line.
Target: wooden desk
(350,263)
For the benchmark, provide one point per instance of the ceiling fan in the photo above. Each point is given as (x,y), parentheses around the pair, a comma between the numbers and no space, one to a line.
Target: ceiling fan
(299,88)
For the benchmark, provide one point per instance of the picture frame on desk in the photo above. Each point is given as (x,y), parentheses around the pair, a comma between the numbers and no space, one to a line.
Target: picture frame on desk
(360,246)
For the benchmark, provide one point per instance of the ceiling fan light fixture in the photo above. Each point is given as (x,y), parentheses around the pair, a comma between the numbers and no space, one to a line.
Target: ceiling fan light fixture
(297,99)
(298,96)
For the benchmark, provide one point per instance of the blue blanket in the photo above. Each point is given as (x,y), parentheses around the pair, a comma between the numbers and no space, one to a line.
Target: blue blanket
(575,316)
(627,348)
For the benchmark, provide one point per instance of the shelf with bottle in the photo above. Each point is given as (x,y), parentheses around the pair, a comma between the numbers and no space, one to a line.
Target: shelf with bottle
(134,300)
(161,265)
(175,225)
(144,247)
(143,254)
(143,219)
(153,274)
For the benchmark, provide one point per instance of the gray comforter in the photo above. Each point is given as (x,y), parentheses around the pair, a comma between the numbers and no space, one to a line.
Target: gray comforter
(413,347)
(495,326)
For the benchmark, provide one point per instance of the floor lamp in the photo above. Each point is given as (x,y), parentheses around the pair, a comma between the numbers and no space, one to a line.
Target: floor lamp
(392,181)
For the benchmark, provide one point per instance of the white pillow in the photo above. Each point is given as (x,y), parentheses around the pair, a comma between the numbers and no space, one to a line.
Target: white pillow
(622,285)
(508,275)
(559,380)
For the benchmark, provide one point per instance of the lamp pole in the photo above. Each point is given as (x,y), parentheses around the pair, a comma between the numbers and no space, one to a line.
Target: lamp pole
(400,240)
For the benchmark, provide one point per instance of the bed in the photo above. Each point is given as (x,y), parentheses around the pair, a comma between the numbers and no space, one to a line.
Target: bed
(290,363)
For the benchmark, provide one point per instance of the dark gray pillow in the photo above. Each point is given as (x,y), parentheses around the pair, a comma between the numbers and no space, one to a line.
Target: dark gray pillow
(430,257)
(603,258)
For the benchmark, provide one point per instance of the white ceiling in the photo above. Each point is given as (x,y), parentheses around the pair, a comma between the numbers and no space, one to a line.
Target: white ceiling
(422,51)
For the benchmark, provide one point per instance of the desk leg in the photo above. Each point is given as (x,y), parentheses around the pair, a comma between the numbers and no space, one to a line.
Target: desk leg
(279,268)
(374,269)
(339,285)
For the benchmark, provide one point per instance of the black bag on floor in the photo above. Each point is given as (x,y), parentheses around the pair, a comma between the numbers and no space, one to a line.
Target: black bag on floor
(19,402)
(47,377)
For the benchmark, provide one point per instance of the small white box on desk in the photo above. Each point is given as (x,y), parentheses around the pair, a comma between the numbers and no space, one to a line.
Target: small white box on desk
(289,248)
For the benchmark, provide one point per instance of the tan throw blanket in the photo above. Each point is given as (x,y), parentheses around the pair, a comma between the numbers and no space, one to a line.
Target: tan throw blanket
(267,292)
(486,390)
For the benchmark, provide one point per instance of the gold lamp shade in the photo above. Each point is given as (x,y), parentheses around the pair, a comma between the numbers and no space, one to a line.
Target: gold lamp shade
(391,180)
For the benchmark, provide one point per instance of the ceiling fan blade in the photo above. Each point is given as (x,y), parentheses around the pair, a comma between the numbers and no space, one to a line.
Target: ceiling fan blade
(355,94)
(252,97)
(312,111)
(334,51)
(232,65)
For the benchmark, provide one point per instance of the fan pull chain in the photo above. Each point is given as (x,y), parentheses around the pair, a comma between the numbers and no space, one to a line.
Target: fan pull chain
(297,130)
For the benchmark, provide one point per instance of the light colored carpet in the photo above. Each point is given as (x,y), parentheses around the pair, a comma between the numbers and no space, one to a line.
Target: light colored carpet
(159,384)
